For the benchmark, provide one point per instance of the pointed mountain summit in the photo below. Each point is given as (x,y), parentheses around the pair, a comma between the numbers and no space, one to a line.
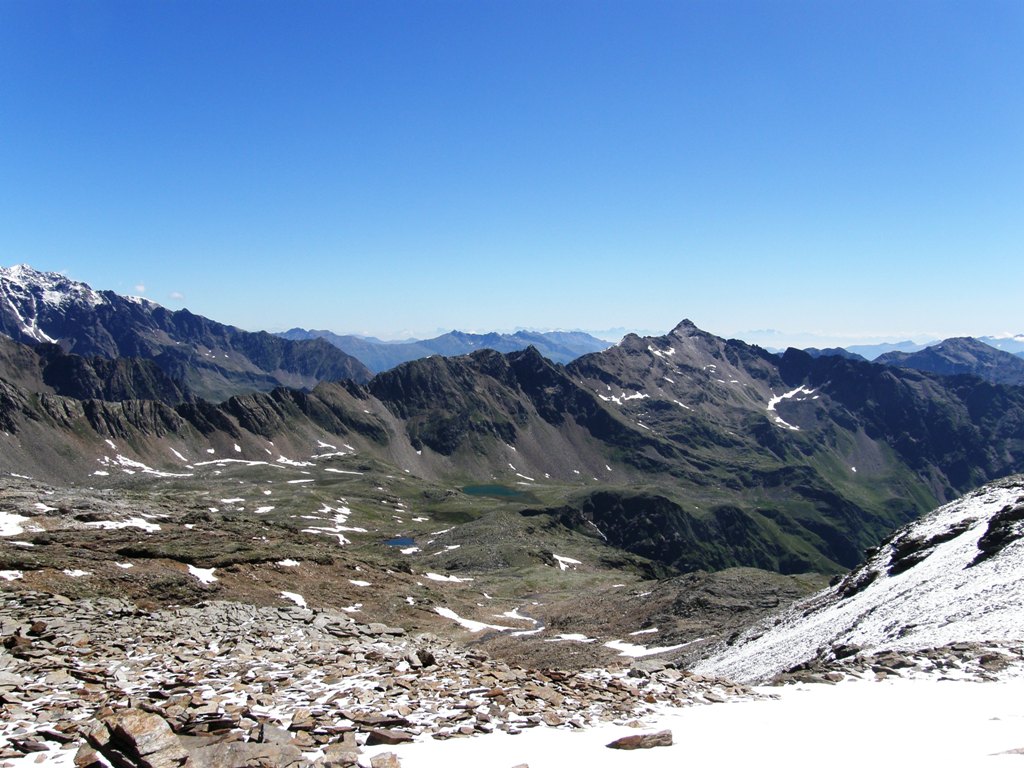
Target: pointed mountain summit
(210,359)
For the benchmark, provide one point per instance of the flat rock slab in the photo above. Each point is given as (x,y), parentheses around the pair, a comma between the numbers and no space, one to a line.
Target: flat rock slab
(643,740)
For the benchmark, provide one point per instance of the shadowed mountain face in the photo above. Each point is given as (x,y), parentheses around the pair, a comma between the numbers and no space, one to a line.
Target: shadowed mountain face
(962,356)
(206,357)
(688,449)
(558,346)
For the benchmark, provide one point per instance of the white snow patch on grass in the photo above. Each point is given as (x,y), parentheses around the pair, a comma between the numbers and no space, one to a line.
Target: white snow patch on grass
(472,626)
(439,577)
(566,563)
(205,575)
(359,582)
(12,575)
(341,471)
(572,637)
(76,573)
(288,563)
(292,463)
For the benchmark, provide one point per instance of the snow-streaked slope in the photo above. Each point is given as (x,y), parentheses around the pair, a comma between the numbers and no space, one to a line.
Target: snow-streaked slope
(927,586)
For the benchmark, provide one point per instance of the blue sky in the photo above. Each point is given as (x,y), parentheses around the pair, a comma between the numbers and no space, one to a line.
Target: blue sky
(847,169)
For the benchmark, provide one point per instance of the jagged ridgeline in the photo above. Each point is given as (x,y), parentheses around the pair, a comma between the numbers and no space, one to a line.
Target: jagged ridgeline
(200,356)
(689,450)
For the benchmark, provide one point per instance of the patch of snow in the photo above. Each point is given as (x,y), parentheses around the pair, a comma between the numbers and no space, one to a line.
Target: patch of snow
(566,563)
(125,566)
(359,582)
(288,563)
(232,500)
(439,577)
(12,575)
(204,575)
(132,522)
(292,463)
(472,626)
(11,524)
(76,573)
(572,637)
(774,400)
(262,510)
(639,651)
(515,614)
(966,723)
(341,471)
(295,597)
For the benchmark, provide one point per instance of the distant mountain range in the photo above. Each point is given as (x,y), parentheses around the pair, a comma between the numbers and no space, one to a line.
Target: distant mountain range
(952,357)
(205,358)
(961,356)
(558,346)
(686,449)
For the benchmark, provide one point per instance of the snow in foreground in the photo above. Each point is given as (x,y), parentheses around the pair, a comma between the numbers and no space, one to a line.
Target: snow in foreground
(922,721)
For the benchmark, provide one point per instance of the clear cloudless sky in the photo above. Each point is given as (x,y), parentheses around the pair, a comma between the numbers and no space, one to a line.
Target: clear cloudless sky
(848,169)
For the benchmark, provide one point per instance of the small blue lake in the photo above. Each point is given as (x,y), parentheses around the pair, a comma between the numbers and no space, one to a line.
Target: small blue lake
(500,491)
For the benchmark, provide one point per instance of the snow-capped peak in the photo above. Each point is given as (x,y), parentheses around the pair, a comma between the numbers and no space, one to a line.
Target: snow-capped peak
(32,301)
(51,288)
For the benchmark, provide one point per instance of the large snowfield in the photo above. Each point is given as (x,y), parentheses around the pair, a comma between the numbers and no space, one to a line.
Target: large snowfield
(896,722)
(923,721)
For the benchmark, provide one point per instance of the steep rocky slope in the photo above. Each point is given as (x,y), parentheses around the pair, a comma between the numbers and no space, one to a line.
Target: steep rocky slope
(952,577)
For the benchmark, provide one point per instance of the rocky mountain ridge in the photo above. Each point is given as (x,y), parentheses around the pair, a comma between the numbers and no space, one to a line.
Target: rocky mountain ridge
(962,356)
(205,357)
(687,449)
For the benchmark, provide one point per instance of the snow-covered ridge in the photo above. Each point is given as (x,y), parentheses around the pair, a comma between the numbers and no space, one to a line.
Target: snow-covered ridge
(30,296)
(956,575)
(50,288)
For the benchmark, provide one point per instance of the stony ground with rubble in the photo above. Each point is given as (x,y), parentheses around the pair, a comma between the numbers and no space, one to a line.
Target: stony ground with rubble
(223,683)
